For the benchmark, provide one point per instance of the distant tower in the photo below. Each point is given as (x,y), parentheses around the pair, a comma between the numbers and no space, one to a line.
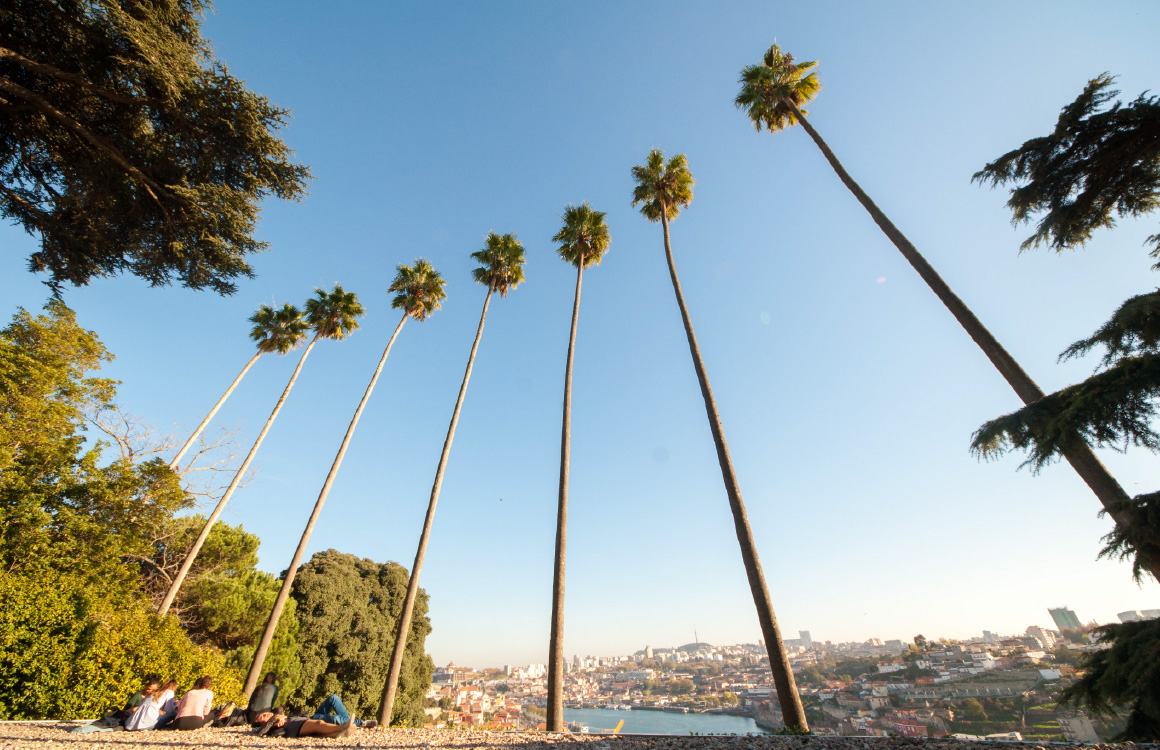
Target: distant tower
(806,640)
(648,652)
(1064,618)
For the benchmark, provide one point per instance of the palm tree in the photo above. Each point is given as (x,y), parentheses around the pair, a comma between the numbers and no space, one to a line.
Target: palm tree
(583,241)
(662,190)
(502,270)
(420,292)
(274,331)
(772,94)
(332,315)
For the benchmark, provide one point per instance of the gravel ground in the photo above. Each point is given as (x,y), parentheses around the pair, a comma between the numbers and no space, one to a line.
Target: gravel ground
(22,736)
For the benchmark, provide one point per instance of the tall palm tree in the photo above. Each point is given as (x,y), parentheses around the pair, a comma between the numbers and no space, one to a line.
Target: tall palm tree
(662,190)
(274,331)
(420,292)
(502,270)
(772,95)
(332,315)
(583,241)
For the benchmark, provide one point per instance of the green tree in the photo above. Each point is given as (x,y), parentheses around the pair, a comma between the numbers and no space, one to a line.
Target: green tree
(772,95)
(127,146)
(349,608)
(973,710)
(583,241)
(661,191)
(1099,163)
(332,315)
(1126,675)
(501,270)
(419,292)
(64,507)
(278,331)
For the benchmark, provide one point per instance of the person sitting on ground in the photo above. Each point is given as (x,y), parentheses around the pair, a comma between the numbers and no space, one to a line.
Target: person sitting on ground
(273,724)
(195,709)
(152,708)
(115,720)
(264,697)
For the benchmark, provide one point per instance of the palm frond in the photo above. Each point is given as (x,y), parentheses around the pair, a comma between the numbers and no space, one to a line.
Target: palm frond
(662,189)
(278,330)
(419,289)
(584,236)
(772,89)
(334,315)
(502,259)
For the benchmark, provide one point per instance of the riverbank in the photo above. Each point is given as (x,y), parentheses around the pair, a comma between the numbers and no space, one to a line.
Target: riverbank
(21,736)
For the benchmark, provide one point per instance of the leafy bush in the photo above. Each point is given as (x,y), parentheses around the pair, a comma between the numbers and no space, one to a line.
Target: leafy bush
(70,651)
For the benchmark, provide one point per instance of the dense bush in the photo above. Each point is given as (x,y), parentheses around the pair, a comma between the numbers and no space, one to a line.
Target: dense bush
(70,651)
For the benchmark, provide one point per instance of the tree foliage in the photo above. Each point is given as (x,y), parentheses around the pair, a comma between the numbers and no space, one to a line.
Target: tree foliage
(501,263)
(773,92)
(348,610)
(419,289)
(662,189)
(584,237)
(128,147)
(69,650)
(1126,675)
(1097,164)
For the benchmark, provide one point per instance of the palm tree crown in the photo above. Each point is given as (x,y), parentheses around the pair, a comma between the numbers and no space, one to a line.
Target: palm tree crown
(772,91)
(335,314)
(584,236)
(663,189)
(278,330)
(420,289)
(503,263)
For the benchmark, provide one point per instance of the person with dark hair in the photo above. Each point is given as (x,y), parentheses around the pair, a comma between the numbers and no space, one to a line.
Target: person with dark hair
(264,697)
(273,724)
(195,709)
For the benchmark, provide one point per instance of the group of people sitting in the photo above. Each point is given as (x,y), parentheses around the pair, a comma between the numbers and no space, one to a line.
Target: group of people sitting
(153,707)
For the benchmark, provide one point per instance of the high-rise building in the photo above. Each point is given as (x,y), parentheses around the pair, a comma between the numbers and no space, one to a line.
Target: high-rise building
(648,654)
(1136,615)
(989,637)
(1064,618)
(806,640)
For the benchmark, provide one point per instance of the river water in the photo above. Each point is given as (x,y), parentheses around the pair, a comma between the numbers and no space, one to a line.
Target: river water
(660,722)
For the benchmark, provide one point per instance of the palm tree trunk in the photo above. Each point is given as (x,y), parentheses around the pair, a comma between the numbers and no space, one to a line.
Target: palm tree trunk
(288,581)
(386,708)
(214,410)
(1111,495)
(792,711)
(190,556)
(555,715)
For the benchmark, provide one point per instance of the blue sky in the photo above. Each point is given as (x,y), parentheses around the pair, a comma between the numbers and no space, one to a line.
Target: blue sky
(847,392)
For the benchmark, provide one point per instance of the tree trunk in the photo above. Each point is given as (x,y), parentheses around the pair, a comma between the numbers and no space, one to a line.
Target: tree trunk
(792,711)
(190,556)
(555,714)
(1111,495)
(288,581)
(387,706)
(214,410)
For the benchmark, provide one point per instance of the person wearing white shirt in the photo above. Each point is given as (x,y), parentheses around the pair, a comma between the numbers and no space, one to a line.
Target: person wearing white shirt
(152,708)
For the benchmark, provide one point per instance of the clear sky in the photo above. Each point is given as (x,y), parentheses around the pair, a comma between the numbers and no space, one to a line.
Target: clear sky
(848,393)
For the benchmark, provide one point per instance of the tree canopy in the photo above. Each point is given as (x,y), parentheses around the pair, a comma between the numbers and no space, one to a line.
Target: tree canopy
(349,611)
(126,146)
(1097,164)
(1125,675)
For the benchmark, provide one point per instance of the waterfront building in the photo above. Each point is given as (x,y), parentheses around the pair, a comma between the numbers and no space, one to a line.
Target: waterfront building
(1136,615)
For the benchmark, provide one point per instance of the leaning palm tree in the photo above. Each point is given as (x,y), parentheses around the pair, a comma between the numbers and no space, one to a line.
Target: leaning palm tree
(274,331)
(332,315)
(583,241)
(420,292)
(502,270)
(662,190)
(772,94)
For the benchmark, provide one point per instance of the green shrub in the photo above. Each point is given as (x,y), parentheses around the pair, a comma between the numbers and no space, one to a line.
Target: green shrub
(69,651)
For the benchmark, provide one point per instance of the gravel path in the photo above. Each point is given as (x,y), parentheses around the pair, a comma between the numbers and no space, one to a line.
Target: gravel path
(45,735)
